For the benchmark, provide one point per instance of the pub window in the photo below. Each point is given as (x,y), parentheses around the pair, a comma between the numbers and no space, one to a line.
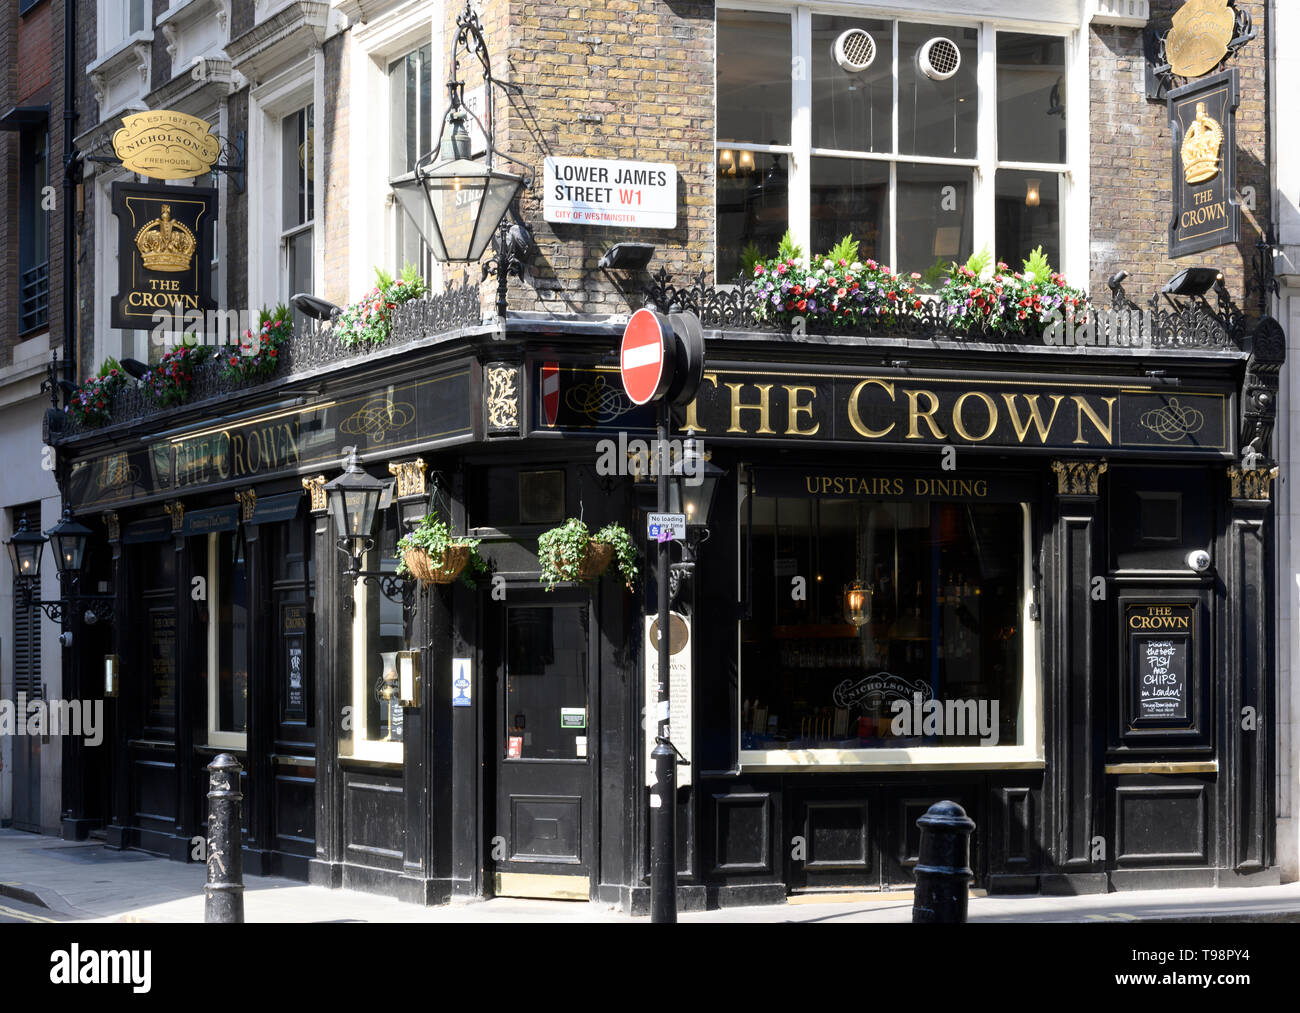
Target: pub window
(912,642)
(228,653)
(378,633)
(33,230)
(410,136)
(118,21)
(875,131)
(298,197)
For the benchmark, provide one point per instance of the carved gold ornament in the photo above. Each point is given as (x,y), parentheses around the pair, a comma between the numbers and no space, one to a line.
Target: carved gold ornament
(247,500)
(1199,38)
(1078,478)
(316,490)
(1201,147)
(1256,483)
(410,477)
(165,245)
(503,398)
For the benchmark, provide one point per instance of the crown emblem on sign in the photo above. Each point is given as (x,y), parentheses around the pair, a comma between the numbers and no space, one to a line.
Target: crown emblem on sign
(165,245)
(1201,146)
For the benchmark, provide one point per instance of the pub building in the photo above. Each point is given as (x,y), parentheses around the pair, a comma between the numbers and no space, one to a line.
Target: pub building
(925,561)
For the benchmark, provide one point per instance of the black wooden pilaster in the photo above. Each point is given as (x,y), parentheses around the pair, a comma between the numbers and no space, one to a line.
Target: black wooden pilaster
(191,650)
(258,765)
(129,654)
(1074,654)
(1249,610)
(331,669)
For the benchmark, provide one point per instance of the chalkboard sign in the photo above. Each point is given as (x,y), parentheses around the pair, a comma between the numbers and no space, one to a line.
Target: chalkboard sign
(1160,653)
(295,707)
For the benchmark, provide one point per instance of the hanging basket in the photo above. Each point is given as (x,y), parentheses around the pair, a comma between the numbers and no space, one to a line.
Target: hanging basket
(595,561)
(440,570)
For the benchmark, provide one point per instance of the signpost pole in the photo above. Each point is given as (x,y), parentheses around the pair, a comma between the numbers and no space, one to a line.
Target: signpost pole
(663,797)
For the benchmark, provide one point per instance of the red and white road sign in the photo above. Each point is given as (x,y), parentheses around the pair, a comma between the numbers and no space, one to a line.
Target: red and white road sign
(551,391)
(645,359)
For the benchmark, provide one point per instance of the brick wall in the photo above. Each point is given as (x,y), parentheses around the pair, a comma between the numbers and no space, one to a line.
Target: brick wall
(1132,188)
(648,84)
(235,211)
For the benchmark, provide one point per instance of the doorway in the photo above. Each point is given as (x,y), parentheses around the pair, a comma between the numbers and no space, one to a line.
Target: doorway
(542,841)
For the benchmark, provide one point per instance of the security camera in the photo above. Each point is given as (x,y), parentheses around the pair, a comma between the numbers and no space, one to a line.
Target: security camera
(1198,560)
(65,638)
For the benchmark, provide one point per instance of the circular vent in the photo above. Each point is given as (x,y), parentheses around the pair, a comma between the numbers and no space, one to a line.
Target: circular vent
(939,58)
(854,50)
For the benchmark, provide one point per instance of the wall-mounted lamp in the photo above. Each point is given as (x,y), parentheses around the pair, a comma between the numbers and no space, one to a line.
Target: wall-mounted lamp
(746,161)
(857,603)
(110,675)
(727,162)
(408,678)
(1033,193)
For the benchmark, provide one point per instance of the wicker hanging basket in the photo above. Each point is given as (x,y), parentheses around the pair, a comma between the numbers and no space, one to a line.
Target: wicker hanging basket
(596,561)
(442,570)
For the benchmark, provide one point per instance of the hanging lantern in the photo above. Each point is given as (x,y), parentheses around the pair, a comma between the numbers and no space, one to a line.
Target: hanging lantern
(857,603)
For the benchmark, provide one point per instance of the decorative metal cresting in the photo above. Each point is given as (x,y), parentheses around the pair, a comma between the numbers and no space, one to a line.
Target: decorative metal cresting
(459,204)
(68,539)
(354,500)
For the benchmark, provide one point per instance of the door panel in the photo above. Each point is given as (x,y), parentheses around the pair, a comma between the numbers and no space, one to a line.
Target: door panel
(544,748)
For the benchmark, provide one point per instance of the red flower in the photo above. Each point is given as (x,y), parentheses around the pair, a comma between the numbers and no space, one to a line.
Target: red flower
(917,304)
(273,353)
(234,361)
(803,305)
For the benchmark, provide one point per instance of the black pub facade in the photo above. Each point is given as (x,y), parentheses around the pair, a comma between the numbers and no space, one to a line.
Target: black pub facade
(1034,580)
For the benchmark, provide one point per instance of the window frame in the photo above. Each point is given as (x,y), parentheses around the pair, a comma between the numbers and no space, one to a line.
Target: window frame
(114,23)
(361,678)
(398,222)
(1028,754)
(984,166)
(217,737)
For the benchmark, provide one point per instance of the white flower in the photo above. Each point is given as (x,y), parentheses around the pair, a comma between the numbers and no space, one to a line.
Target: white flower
(855,267)
(827,264)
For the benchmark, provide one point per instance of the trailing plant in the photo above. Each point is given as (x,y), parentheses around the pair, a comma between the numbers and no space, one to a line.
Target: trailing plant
(259,353)
(433,537)
(369,322)
(563,551)
(169,381)
(91,404)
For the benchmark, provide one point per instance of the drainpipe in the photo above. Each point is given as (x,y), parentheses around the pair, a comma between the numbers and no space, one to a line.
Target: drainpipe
(71,177)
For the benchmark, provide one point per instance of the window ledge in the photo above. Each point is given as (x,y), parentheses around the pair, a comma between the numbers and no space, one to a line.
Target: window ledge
(113,59)
(188,11)
(900,760)
(293,31)
(370,761)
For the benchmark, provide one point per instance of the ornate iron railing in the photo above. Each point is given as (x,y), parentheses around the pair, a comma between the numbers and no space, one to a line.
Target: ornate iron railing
(1194,323)
(308,348)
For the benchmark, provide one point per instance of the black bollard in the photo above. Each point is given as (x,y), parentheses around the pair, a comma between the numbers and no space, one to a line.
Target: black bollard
(224,890)
(943,872)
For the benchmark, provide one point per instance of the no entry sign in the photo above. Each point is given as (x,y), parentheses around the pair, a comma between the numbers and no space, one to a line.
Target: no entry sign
(647,357)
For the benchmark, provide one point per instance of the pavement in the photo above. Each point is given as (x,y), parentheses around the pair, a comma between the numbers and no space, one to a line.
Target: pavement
(45,879)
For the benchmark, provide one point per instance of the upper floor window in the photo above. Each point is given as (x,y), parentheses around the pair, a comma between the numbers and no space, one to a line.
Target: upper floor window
(33,230)
(831,125)
(410,102)
(119,20)
(298,198)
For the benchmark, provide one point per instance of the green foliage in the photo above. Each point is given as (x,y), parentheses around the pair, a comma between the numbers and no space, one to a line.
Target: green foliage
(111,367)
(561,551)
(750,256)
(1037,269)
(980,263)
(788,248)
(937,273)
(845,250)
(435,538)
(369,322)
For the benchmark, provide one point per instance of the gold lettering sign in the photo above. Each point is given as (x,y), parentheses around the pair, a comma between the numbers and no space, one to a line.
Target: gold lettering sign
(164,144)
(1199,37)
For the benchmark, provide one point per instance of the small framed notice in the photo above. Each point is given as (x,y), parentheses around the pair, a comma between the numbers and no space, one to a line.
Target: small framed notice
(1160,641)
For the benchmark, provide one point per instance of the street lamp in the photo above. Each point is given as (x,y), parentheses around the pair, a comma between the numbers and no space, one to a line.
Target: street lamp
(25,552)
(353,499)
(69,539)
(457,204)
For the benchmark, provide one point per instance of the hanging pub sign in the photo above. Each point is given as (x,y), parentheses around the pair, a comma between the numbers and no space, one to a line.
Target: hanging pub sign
(1203,121)
(164,235)
(164,144)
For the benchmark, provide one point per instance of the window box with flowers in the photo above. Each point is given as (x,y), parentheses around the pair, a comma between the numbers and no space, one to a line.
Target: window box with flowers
(259,353)
(369,321)
(91,405)
(169,382)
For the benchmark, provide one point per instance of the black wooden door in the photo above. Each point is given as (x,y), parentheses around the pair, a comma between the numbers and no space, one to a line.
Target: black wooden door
(545,744)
